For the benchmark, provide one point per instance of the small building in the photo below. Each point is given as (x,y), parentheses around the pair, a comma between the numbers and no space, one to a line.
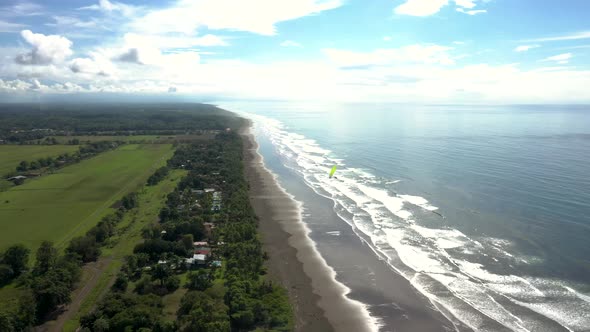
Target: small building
(197,259)
(198,244)
(18,177)
(216,263)
(205,252)
(209,190)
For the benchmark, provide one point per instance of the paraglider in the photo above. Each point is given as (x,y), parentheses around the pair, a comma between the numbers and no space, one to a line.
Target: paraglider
(332,171)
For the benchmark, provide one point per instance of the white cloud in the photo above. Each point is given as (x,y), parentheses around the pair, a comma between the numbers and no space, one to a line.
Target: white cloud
(387,38)
(425,54)
(10,27)
(96,64)
(14,85)
(560,58)
(20,9)
(109,7)
(175,41)
(290,43)
(46,49)
(256,16)
(472,12)
(431,7)
(524,48)
(69,21)
(465,3)
(573,36)
(420,7)
(140,50)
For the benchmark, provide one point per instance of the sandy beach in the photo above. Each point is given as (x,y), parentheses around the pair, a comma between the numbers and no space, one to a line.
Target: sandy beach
(318,301)
(318,296)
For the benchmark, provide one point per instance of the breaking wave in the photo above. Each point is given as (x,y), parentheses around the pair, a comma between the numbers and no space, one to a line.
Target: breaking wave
(444,264)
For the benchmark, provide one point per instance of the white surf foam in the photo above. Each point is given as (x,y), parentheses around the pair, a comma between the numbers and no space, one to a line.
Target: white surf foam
(371,323)
(428,257)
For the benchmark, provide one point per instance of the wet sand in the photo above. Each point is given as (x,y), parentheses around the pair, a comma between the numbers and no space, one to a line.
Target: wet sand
(318,301)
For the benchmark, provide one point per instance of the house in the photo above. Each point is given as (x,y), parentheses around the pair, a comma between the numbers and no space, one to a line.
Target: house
(204,251)
(197,191)
(200,244)
(209,190)
(197,259)
(18,177)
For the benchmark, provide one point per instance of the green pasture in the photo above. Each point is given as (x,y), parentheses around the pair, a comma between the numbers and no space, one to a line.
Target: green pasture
(60,206)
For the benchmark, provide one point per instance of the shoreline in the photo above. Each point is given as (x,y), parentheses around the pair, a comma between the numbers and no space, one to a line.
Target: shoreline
(319,301)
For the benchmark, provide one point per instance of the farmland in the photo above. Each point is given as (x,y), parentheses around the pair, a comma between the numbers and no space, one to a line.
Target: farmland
(59,206)
(11,155)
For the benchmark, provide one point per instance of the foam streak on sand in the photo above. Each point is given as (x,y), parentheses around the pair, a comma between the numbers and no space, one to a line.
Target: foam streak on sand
(444,264)
(342,313)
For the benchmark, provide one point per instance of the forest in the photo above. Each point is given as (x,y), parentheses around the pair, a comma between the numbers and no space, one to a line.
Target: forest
(20,123)
(203,244)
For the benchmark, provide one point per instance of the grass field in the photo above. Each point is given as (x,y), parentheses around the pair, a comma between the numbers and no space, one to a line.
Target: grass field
(12,155)
(151,200)
(66,204)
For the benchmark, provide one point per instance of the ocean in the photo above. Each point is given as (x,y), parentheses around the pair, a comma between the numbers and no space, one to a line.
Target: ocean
(483,209)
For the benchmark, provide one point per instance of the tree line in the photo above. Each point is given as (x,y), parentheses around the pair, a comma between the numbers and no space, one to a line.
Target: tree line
(65,159)
(27,122)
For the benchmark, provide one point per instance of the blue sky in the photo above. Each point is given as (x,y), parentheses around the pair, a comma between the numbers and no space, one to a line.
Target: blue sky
(422,51)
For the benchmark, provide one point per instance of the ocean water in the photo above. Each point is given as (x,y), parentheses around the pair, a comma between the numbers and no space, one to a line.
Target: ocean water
(484,209)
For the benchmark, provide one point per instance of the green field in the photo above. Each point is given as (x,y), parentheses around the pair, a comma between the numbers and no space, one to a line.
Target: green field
(66,204)
(12,155)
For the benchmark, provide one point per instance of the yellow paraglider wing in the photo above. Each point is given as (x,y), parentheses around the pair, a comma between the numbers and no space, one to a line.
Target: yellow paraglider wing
(332,171)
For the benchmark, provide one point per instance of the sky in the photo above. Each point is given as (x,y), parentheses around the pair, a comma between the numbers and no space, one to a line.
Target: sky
(410,51)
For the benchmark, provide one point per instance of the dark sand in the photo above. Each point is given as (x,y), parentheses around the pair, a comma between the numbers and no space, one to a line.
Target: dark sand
(317,299)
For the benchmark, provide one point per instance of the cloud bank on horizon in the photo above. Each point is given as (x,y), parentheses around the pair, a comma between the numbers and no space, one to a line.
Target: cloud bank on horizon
(421,51)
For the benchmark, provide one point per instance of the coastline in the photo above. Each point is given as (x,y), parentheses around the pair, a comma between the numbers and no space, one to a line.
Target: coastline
(318,300)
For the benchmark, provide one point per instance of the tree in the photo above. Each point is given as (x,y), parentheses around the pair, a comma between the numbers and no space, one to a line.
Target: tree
(199,280)
(101,325)
(23,166)
(17,258)
(172,283)
(161,272)
(200,312)
(26,312)
(51,290)
(121,282)
(187,241)
(86,247)
(6,274)
(129,201)
(6,322)
(46,258)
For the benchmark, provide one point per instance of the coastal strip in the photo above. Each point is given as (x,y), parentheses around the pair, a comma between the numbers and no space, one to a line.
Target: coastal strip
(319,301)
